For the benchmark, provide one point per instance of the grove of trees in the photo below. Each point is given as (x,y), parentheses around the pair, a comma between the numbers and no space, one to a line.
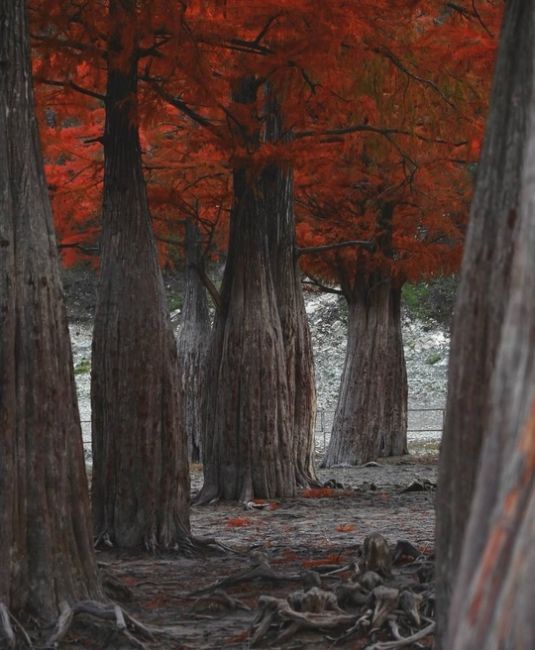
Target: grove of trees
(333,141)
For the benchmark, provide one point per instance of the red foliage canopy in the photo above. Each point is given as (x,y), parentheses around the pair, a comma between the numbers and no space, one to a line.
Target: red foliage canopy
(383,104)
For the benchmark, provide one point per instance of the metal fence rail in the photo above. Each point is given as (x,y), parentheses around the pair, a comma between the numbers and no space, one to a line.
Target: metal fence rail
(430,420)
(325,417)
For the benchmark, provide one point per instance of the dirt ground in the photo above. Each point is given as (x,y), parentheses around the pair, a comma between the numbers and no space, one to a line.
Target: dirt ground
(312,531)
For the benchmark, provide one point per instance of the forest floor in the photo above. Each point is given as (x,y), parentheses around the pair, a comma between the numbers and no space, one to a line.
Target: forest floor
(318,531)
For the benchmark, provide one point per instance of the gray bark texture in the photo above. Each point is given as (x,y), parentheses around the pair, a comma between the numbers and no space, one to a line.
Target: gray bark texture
(46,547)
(278,190)
(193,344)
(481,322)
(248,450)
(371,415)
(492,604)
(260,381)
(140,483)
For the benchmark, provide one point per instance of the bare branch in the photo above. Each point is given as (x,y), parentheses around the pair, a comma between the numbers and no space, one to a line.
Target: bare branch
(266,27)
(73,86)
(387,132)
(311,250)
(210,286)
(69,43)
(88,250)
(314,282)
(178,103)
(480,20)
(154,49)
(426,82)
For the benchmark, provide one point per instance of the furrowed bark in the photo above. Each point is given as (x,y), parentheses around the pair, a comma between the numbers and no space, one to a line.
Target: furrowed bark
(491,602)
(45,532)
(249,450)
(482,299)
(371,416)
(279,190)
(140,485)
(192,344)
(262,314)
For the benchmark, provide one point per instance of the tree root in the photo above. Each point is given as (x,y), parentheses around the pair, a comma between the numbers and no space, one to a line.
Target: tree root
(261,570)
(111,612)
(221,599)
(404,641)
(325,614)
(7,631)
(5,626)
(374,600)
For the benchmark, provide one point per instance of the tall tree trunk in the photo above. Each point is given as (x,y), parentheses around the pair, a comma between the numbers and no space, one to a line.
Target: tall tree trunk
(279,190)
(140,486)
(249,450)
(492,602)
(481,301)
(371,414)
(45,532)
(263,234)
(193,343)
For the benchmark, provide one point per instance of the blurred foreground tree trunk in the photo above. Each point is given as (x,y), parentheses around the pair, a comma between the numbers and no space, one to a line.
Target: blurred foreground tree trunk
(486,498)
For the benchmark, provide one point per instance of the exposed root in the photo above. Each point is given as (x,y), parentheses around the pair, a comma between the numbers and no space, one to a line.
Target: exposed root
(386,601)
(8,637)
(211,543)
(277,612)
(114,613)
(206,496)
(376,555)
(22,631)
(261,570)
(219,599)
(115,589)
(6,628)
(404,641)
(372,601)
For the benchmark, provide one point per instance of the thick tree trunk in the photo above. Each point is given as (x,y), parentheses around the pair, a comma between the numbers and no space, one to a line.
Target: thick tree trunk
(193,343)
(481,301)
(279,191)
(261,376)
(140,486)
(371,415)
(492,603)
(249,447)
(46,545)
